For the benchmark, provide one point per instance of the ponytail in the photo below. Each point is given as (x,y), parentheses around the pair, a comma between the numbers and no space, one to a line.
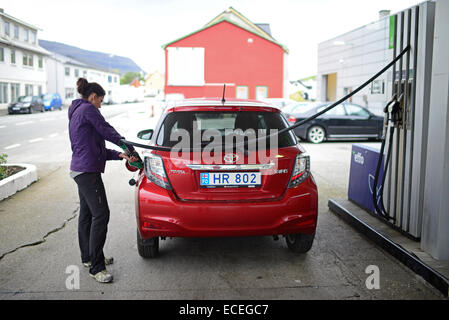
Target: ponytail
(85,88)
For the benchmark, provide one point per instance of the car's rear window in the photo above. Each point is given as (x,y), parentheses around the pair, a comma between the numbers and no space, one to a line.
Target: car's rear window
(196,123)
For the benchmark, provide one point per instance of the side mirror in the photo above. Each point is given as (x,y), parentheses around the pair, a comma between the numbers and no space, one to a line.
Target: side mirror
(145,134)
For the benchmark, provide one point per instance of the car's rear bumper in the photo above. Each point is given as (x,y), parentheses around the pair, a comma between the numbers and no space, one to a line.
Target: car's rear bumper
(21,110)
(160,213)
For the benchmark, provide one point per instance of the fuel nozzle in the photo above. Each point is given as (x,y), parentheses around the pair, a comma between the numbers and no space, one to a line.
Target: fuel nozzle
(393,109)
(131,152)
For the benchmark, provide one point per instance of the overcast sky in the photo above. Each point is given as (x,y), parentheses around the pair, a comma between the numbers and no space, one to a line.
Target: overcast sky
(138,28)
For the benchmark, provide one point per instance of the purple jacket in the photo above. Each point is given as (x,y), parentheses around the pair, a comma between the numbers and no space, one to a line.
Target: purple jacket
(88,131)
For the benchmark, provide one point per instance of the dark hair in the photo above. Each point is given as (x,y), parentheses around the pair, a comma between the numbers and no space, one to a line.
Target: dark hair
(85,88)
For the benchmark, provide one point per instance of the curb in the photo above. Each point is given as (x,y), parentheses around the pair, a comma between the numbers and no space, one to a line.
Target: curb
(432,276)
(18,181)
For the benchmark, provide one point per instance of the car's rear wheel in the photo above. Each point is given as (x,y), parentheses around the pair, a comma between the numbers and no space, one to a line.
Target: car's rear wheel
(148,248)
(316,134)
(300,242)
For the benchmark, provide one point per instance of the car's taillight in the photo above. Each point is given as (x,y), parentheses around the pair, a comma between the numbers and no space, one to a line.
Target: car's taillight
(301,169)
(292,119)
(155,170)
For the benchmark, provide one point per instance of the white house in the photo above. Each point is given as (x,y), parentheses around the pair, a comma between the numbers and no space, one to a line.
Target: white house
(63,73)
(22,60)
(348,60)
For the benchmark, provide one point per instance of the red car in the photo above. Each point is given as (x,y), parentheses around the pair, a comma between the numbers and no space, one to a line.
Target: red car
(239,193)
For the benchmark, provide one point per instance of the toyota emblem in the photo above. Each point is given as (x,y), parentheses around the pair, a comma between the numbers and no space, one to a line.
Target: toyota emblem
(231,158)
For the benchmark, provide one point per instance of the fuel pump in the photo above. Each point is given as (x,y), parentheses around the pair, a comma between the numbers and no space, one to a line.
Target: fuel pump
(393,118)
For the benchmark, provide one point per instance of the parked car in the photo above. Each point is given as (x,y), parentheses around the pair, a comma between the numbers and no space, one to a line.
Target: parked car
(181,197)
(52,101)
(345,121)
(26,104)
(296,107)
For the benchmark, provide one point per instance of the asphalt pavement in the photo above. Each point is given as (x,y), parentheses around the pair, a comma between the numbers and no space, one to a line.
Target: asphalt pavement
(39,247)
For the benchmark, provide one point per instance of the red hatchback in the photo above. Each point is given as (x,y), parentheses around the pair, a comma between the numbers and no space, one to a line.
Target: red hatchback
(221,170)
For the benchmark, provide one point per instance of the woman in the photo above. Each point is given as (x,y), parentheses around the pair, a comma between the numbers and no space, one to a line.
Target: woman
(88,131)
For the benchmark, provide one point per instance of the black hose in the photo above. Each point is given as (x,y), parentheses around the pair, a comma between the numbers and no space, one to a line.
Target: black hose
(381,211)
(376,177)
(300,122)
(385,174)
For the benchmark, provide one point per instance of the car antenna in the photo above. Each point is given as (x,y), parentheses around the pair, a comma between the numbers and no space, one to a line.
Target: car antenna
(224,90)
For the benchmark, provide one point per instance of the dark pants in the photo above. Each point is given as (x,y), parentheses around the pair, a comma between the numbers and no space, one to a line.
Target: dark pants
(93,219)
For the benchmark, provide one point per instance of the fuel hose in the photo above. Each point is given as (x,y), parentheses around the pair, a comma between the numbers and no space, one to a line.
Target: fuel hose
(299,123)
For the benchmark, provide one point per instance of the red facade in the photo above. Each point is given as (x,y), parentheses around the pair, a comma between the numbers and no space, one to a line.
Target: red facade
(234,56)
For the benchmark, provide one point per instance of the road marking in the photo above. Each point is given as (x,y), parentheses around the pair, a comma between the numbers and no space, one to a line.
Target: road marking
(23,123)
(53,135)
(35,140)
(50,119)
(2,127)
(12,146)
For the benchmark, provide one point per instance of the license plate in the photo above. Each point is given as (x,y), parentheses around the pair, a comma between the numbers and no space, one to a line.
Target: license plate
(16,108)
(230,179)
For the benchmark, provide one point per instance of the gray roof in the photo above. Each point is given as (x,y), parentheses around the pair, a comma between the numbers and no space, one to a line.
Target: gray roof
(265,27)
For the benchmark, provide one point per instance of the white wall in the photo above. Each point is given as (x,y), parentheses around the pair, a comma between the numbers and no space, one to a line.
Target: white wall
(17,72)
(356,56)
(65,85)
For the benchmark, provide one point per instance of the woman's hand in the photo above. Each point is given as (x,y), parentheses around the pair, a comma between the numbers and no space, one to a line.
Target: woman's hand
(129,159)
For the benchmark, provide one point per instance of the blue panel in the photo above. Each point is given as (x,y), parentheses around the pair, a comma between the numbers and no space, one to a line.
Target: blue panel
(361,177)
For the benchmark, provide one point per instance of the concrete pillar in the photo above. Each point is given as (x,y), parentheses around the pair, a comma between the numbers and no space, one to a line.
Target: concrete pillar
(435,228)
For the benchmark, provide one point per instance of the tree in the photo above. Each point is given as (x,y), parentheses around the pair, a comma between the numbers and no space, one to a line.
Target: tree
(130,76)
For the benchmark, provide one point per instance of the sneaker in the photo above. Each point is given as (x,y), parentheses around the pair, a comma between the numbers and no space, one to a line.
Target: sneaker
(107,261)
(102,276)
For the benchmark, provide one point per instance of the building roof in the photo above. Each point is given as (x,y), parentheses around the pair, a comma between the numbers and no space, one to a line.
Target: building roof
(135,83)
(234,17)
(97,60)
(265,27)
(2,13)
(69,60)
(24,46)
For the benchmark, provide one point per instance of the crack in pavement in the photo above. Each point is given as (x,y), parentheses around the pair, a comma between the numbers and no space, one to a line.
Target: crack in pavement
(75,213)
(18,292)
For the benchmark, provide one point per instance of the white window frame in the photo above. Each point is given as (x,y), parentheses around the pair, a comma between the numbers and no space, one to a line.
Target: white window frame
(25,59)
(242,92)
(15,91)
(261,92)
(13,54)
(185,66)
(16,32)
(4,92)
(7,29)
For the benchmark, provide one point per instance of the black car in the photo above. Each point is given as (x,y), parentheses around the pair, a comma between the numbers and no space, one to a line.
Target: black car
(26,104)
(345,121)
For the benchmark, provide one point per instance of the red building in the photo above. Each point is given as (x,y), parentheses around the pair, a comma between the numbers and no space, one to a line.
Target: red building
(229,50)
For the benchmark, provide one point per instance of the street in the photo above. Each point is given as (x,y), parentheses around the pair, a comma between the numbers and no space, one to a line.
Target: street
(39,245)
